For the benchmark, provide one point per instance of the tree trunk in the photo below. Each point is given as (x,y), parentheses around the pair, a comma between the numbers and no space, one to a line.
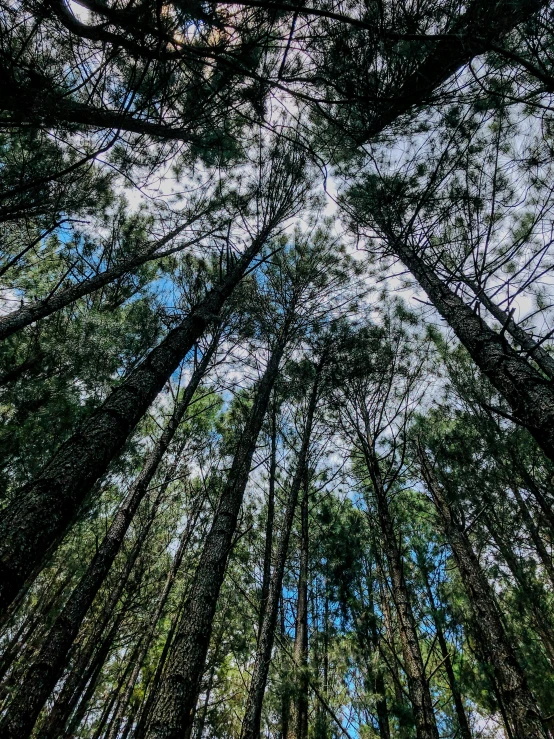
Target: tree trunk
(399,696)
(270,516)
(285,694)
(253,711)
(538,353)
(47,669)
(88,684)
(514,694)
(299,728)
(530,395)
(158,613)
(528,586)
(418,685)
(463,723)
(545,558)
(174,710)
(69,694)
(43,510)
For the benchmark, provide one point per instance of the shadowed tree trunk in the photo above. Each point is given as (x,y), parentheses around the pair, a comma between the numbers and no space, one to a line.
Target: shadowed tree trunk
(158,613)
(47,669)
(270,516)
(513,692)
(530,395)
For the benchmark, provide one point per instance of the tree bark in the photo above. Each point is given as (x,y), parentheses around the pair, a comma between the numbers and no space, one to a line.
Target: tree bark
(69,694)
(174,710)
(514,694)
(253,712)
(530,395)
(43,510)
(47,669)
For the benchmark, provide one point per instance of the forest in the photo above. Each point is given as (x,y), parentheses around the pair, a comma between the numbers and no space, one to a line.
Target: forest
(277,369)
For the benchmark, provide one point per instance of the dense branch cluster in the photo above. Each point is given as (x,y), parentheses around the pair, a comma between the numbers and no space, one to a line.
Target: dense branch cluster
(276,369)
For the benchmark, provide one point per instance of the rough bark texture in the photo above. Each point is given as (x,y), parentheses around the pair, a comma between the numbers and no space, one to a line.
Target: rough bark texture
(515,696)
(418,685)
(18,319)
(47,669)
(42,511)
(253,711)
(530,395)
(174,710)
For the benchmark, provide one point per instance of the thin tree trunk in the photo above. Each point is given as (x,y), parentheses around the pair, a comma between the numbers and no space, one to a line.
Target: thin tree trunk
(418,685)
(535,536)
(147,640)
(285,697)
(69,694)
(399,697)
(18,319)
(530,395)
(42,511)
(47,669)
(463,723)
(270,516)
(513,691)
(174,710)
(253,712)
(300,712)
(89,682)
(146,708)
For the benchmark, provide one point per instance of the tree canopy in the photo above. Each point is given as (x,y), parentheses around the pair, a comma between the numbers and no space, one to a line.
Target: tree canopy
(276,369)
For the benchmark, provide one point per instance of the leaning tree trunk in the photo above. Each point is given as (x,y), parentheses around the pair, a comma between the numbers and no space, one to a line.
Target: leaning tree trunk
(42,511)
(418,685)
(69,695)
(513,692)
(537,352)
(174,710)
(530,395)
(253,712)
(47,669)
